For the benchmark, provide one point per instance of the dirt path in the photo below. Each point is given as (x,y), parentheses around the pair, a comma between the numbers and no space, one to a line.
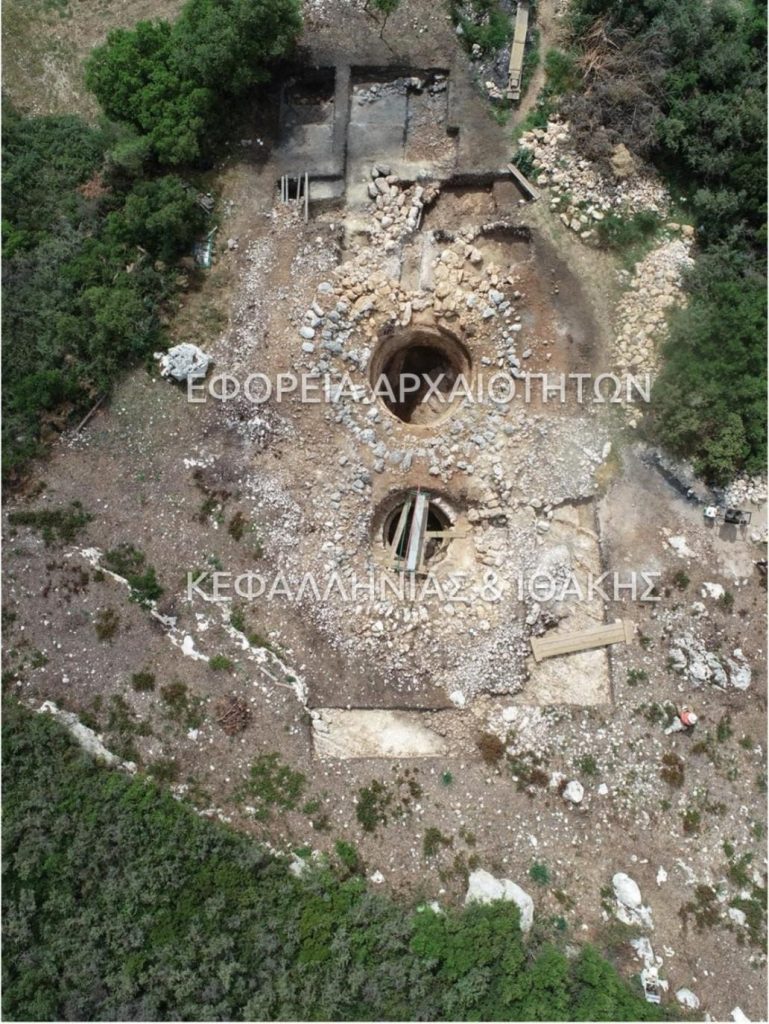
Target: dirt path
(549,34)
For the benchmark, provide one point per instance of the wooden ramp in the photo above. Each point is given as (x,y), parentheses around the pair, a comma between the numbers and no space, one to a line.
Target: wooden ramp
(516,50)
(569,643)
(523,182)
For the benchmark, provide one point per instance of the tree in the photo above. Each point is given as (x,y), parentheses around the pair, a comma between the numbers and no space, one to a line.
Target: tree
(160,216)
(709,401)
(195,921)
(173,82)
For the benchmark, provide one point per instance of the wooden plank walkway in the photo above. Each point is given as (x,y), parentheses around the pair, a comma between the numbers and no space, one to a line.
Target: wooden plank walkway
(516,50)
(524,183)
(569,643)
(417,535)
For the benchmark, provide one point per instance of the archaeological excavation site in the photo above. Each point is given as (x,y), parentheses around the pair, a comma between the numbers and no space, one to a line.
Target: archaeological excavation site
(370,555)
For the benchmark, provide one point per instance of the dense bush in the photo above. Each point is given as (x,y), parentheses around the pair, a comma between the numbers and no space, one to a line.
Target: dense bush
(683,84)
(121,903)
(709,401)
(171,82)
(88,231)
(483,23)
(81,284)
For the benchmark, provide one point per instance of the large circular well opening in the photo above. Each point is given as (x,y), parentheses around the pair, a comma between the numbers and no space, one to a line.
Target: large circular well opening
(416,374)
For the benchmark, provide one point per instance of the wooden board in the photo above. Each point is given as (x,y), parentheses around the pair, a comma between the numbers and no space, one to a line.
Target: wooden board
(569,643)
(417,535)
(516,50)
(524,182)
(400,529)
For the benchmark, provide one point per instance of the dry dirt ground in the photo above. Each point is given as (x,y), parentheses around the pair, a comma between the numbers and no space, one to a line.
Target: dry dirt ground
(291,487)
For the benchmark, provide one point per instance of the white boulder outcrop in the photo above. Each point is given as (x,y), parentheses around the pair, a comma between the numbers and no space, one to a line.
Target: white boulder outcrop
(483,887)
(184,362)
(574,792)
(687,998)
(630,908)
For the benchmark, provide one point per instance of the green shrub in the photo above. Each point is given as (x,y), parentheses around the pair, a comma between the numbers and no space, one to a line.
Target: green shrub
(680,579)
(181,707)
(372,805)
(126,561)
(220,663)
(82,287)
(691,820)
(349,856)
(539,873)
(672,770)
(588,765)
(60,525)
(483,23)
(620,232)
(109,937)
(272,784)
(164,770)
(561,71)
(433,841)
(237,526)
(172,83)
(724,728)
(106,623)
(143,681)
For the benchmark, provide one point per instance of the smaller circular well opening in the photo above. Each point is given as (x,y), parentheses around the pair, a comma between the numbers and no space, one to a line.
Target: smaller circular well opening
(398,527)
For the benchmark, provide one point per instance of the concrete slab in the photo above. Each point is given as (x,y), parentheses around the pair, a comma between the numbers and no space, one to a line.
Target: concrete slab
(338,733)
(581,679)
(389,108)
(308,147)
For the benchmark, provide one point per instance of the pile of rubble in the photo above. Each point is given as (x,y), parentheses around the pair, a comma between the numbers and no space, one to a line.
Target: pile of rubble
(690,658)
(434,85)
(654,288)
(746,490)
(581,193)
(398,208)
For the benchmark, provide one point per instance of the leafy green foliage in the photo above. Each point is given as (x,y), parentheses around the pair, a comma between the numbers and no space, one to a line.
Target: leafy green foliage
(126,561)
(434,841)
(143,681)
(709,401)
(172,83)
(181,706)
(482,22)
(190,920)
(683,84)
(686,87)
(588,765)
(272,784)
(55,524)
(539,873)
(160,216)
(617,232)
(349,856)
(106,623)
(82,288)
(372,806)
(220,663)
